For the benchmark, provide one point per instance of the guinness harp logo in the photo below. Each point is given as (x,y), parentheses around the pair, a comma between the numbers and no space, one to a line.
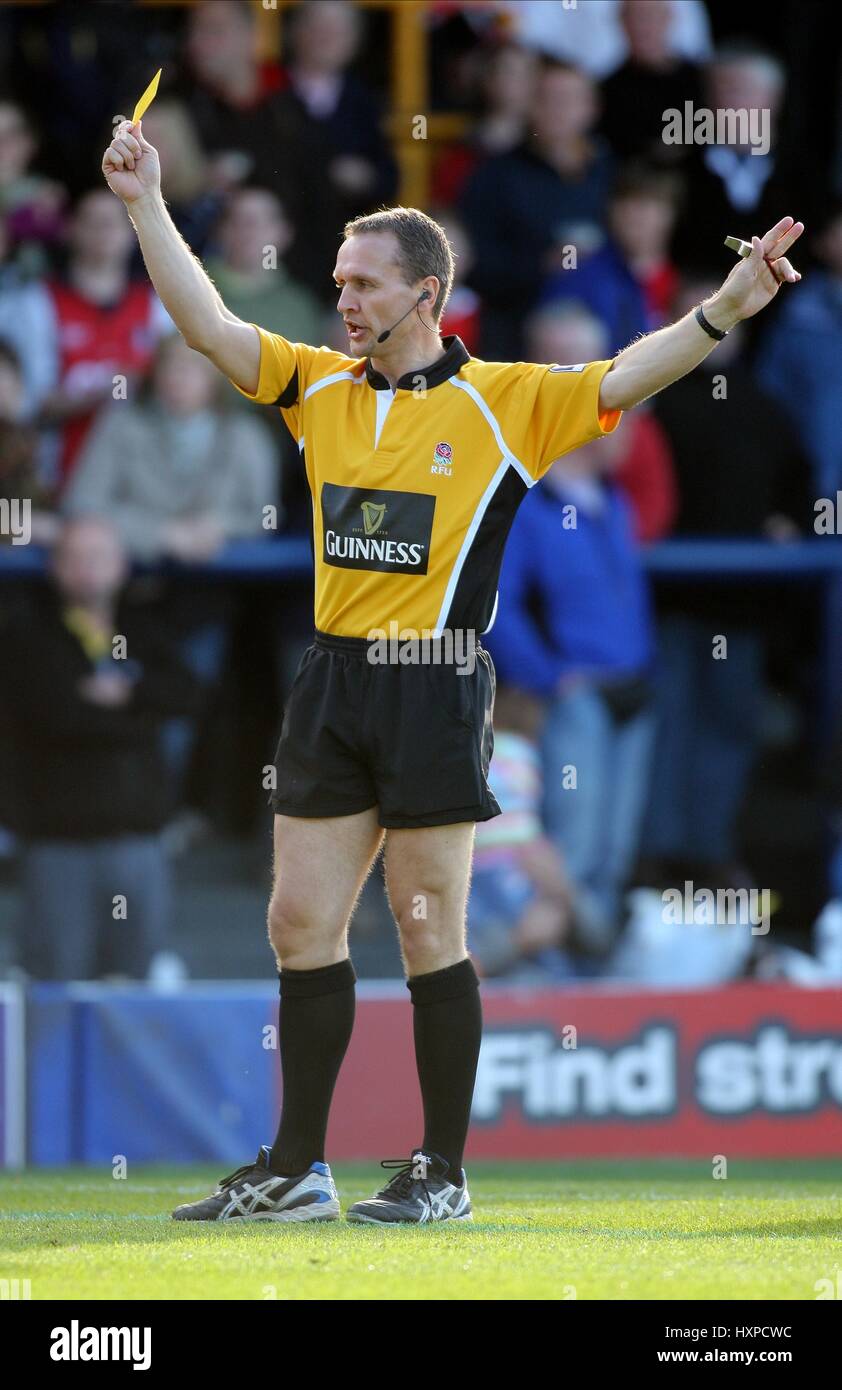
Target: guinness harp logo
(376,529)
(373,514)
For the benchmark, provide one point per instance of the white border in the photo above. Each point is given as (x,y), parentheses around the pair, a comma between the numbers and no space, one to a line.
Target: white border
(12,997)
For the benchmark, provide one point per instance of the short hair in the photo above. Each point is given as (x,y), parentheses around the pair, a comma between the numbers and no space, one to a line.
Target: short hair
(243,9)
(549,63)
(245,190)
(299,14)
(423,247)
(639,179)
(565,312)
(738,50)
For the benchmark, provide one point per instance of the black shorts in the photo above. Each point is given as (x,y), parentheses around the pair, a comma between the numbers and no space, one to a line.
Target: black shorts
(413,740)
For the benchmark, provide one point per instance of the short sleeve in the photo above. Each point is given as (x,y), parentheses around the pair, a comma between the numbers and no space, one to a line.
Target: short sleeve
(286,370)
(279,368)
(564,412)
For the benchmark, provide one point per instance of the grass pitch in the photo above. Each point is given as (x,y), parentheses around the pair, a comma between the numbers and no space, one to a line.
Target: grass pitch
(595,1230)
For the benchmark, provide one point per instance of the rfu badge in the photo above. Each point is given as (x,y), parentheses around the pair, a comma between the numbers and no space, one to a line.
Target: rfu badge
(443,459)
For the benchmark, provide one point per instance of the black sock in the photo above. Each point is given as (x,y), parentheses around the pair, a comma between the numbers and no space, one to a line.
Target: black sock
(447,1022)
(316,1018)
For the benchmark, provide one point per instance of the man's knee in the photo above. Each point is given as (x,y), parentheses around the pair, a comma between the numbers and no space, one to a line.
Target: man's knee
(431,926)
(425,895)
(424,902)
(301,937)
(290,925)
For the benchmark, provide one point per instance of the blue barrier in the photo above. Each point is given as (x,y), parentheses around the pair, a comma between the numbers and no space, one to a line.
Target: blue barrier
(192,1075)
(290,557)
(115,1071)
(287,558)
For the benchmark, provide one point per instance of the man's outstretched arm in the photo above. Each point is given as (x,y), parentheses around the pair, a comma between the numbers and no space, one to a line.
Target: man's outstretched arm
(132,171)
(656,361)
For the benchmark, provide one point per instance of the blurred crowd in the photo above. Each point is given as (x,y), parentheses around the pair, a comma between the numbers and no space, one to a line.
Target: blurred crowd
(626,741)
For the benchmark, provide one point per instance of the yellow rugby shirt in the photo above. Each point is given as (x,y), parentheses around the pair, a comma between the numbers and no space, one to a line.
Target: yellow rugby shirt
(414,492)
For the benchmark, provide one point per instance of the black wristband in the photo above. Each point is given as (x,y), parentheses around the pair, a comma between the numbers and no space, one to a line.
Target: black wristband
(708,327)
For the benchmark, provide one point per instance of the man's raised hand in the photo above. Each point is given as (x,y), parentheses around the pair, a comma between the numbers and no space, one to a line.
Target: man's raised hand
(130,164)
(755,280)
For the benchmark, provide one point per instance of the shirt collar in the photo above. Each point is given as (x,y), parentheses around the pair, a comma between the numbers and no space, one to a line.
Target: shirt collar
(455,356)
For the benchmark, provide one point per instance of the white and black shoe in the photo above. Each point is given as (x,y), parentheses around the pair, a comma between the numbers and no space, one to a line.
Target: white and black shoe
(420,1191)
(255,1193)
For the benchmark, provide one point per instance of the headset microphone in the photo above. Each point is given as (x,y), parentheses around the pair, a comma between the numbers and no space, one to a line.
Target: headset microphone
(389,331)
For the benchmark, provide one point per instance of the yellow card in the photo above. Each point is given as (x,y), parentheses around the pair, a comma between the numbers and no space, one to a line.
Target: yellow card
(147,99)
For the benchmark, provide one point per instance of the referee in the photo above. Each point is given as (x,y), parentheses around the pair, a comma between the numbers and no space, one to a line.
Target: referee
(417,456)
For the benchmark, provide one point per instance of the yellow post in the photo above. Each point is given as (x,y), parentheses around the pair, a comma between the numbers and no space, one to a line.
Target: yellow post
(410,101)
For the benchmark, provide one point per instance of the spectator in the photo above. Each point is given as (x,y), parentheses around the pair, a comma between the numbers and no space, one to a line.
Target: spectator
(22,326)
(250,272)
(734,185)
(524,208)
(642,464)
(520,905)
(463,313)
(324,36)
(800,360)
(643,214)
(94,324)
(193,198)
(32,205)
(630,281)
(708,707)
(19,485)
(655,77)
(591,33)
(93,794)
(507,74)
(177,477)
(230,90)
(253,237)
(254,131)
(82,62)
(574,628)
